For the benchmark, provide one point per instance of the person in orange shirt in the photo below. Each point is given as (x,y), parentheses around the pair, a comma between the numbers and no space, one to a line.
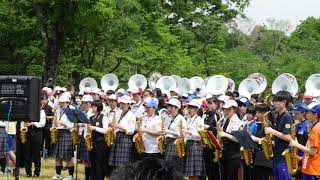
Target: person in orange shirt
(311,159)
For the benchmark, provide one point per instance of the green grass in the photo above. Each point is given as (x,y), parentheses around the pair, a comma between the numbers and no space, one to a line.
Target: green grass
(47,171)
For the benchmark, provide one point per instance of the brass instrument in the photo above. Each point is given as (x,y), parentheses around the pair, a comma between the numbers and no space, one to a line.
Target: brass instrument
(247,155)
(88,138)
(23,133)
(218,152)
(53,129)
(75,134)
(137,138)
(162,140)
(266,142)
(291,155)
(109,137)
(179,142)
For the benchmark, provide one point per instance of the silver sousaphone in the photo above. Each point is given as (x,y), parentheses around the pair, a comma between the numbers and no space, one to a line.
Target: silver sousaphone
(217,84)
(248,87)
(137,81)
(88,82)
(261,80)
(109,82)
(313,85)
(166,83)
(154,77)
(285,82)
(196,82)
(231,85)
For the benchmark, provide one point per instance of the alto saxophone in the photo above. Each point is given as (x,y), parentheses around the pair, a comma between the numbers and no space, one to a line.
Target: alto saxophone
(179,142)
(291,155)
(88,138)
(266,142)
(23,133)
(53,129)
(109,137)
(75,134)
(137,138)
(247,154)
(218,152)
(162,140)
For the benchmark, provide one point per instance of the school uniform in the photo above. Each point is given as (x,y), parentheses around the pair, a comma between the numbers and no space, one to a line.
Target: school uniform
(63,148)
(311,164)
(150,142)
(121,152)
(171,154)
(33,146)
(194,164)
(46,130)
(231,159)
(283,124)
(4,147)
(99,152)
(83,153)
(212,168)
(137,108)
(302,130)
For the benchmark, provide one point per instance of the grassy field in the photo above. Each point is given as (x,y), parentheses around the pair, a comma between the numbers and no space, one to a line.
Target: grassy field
(47,171)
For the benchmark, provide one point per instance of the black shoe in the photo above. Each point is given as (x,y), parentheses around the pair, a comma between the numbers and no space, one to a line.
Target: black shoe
(29,175)
(36,175)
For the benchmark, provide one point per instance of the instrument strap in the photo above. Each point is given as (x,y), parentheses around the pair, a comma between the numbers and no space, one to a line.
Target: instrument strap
(173,119)
(122,115)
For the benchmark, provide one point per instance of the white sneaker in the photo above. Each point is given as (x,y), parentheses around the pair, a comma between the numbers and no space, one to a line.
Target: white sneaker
(57,176)
(68,178)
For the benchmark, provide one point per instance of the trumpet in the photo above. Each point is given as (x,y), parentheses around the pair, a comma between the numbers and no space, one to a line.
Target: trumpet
(179,142)
(109,137)
(162,140)
(88,138)
(218,152)
(137,138)
(266,142)
(291,155)
(53,129)
(75,134)
(23,133)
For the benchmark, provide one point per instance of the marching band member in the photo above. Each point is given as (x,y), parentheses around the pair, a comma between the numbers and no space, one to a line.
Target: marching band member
(33,145)
(262,167)
(194,166)
(113,106)
(282,135)
(137,108)
(231,159)
(121,152)
(98,155)
(172,132)
(151,129)
(48,109)
(4,147)
(210,122)
(243,105)
(311,159)
(63,149)
(83,154)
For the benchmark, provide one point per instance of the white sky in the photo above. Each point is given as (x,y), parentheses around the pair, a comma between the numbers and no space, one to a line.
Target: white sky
(292,10)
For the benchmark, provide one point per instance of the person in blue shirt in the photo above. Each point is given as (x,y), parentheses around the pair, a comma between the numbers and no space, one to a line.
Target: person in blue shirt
(281,133)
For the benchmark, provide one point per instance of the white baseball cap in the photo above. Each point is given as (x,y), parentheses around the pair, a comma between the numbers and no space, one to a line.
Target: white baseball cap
(96,91)
(63,89)
(64,98)
(195,103)
(174,102)
(223,98)
(113,97)
(230,103)
(125,99)
(87,98)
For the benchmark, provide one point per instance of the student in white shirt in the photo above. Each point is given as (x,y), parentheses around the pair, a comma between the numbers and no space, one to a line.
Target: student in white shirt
(121,152)
(63,148)
(172,131)
(137,108)
(194,166)
(151,129)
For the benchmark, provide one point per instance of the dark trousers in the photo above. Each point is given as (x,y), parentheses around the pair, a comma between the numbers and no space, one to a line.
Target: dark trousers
(247,172)
(212,168)
(151,155)
(229,168)
(47,141)
(262,173)
(31,150)
(99,160)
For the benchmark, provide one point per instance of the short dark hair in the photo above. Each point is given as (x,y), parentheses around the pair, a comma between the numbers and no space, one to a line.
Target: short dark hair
(98,104)
(148,169)
(262,107)
(255,96)
(251,110)
(283,96)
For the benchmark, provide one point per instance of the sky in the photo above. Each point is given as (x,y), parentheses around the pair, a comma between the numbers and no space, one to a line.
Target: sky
(293,11)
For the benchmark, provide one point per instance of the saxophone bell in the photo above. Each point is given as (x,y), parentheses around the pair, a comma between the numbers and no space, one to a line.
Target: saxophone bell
(23,134)
(88,138)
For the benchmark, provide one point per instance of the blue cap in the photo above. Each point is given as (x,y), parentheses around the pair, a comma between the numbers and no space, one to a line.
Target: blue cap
(315,109)
(243,101)
(301,107)
(151,104)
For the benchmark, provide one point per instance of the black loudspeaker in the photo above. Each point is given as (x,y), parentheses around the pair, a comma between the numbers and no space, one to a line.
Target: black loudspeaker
(20,98)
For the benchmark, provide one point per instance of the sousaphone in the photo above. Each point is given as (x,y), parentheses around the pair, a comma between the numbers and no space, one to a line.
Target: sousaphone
(196,82)
(261,80)
(248,87)
(217,84)
(88,82)
(166,83)
(285,82)
(137,81)
(109,82)
(313,85)
(154,77)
